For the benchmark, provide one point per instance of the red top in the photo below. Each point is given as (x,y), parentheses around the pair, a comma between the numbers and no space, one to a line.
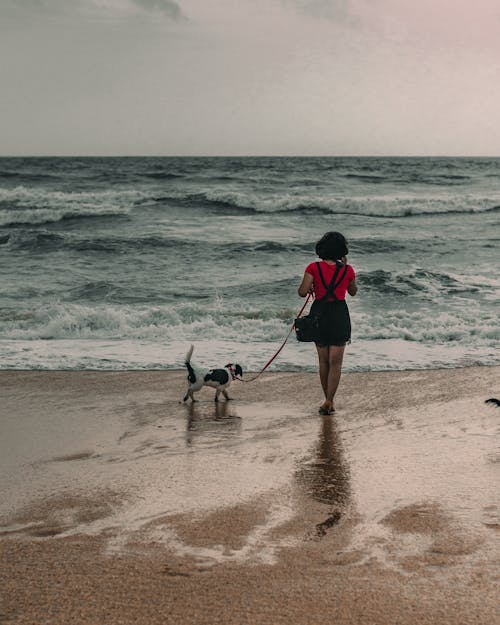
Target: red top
(328,270)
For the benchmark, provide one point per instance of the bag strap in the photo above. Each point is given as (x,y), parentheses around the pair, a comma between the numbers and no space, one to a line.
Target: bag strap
(330,288)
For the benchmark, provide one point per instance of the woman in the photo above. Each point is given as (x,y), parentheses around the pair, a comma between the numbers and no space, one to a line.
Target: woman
(335,324)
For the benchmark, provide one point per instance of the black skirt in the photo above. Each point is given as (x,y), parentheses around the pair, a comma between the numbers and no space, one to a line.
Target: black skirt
(334,322)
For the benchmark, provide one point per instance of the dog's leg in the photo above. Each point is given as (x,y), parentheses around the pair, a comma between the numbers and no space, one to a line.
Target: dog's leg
(217,393)
(226,395)
(189,393)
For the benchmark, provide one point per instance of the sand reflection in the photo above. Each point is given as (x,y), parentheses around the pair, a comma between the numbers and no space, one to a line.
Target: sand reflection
(324,474)
(218,421)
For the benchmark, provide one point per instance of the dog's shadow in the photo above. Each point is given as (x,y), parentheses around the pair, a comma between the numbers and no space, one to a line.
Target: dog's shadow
(216,421)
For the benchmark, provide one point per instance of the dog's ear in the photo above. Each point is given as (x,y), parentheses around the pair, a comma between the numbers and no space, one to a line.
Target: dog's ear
(238,370)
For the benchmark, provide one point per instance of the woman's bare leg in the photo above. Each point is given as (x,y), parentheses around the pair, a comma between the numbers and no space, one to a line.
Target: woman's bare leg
(335,358)
(324,367)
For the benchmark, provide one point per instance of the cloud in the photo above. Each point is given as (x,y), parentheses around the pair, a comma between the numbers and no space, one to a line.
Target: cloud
(169,8)
(338,10)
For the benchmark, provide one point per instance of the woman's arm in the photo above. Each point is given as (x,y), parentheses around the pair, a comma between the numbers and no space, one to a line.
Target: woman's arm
(352,287)
(306,286)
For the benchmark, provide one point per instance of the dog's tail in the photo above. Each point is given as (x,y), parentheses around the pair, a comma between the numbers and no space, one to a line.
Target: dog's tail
(187,362)
(493,400)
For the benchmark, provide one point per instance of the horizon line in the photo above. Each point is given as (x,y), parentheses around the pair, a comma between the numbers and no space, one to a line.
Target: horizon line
(249,155)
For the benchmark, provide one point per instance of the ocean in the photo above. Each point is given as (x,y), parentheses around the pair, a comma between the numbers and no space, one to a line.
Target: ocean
(122,263)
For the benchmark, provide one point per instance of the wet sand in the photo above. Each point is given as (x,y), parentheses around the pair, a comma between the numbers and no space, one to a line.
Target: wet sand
(118,504)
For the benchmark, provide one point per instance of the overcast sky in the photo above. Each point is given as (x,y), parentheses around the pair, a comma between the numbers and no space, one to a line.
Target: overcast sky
(291,77)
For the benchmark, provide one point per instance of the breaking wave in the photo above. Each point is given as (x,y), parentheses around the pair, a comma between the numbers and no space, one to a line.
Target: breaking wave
(38,206)
(329,204)
(189,321)
(419,282)
(23,205)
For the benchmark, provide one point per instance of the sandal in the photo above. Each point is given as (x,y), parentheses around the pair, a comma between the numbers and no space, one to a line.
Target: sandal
(326,411)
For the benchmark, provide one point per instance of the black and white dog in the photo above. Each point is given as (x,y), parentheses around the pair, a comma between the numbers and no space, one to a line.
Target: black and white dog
(219,379)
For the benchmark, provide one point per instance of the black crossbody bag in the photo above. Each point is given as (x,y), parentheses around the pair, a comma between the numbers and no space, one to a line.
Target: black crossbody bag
(307,327)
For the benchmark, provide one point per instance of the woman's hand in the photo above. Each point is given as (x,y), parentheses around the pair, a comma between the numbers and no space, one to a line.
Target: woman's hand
(306,286)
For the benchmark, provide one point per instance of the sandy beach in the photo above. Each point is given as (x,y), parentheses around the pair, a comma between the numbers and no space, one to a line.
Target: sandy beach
(119,504)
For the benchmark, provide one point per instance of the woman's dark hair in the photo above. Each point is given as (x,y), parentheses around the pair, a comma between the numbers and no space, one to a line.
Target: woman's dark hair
(331,246)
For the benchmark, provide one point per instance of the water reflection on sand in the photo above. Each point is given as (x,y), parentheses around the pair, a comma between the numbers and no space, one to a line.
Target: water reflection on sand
(218,423)
(415,481)
(324,475)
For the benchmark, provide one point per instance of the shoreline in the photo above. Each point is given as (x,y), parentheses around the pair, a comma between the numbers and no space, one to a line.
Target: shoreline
(251,371)
(121,504)
(391,354)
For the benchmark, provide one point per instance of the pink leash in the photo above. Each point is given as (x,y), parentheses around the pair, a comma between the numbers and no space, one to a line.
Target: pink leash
(280,348)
